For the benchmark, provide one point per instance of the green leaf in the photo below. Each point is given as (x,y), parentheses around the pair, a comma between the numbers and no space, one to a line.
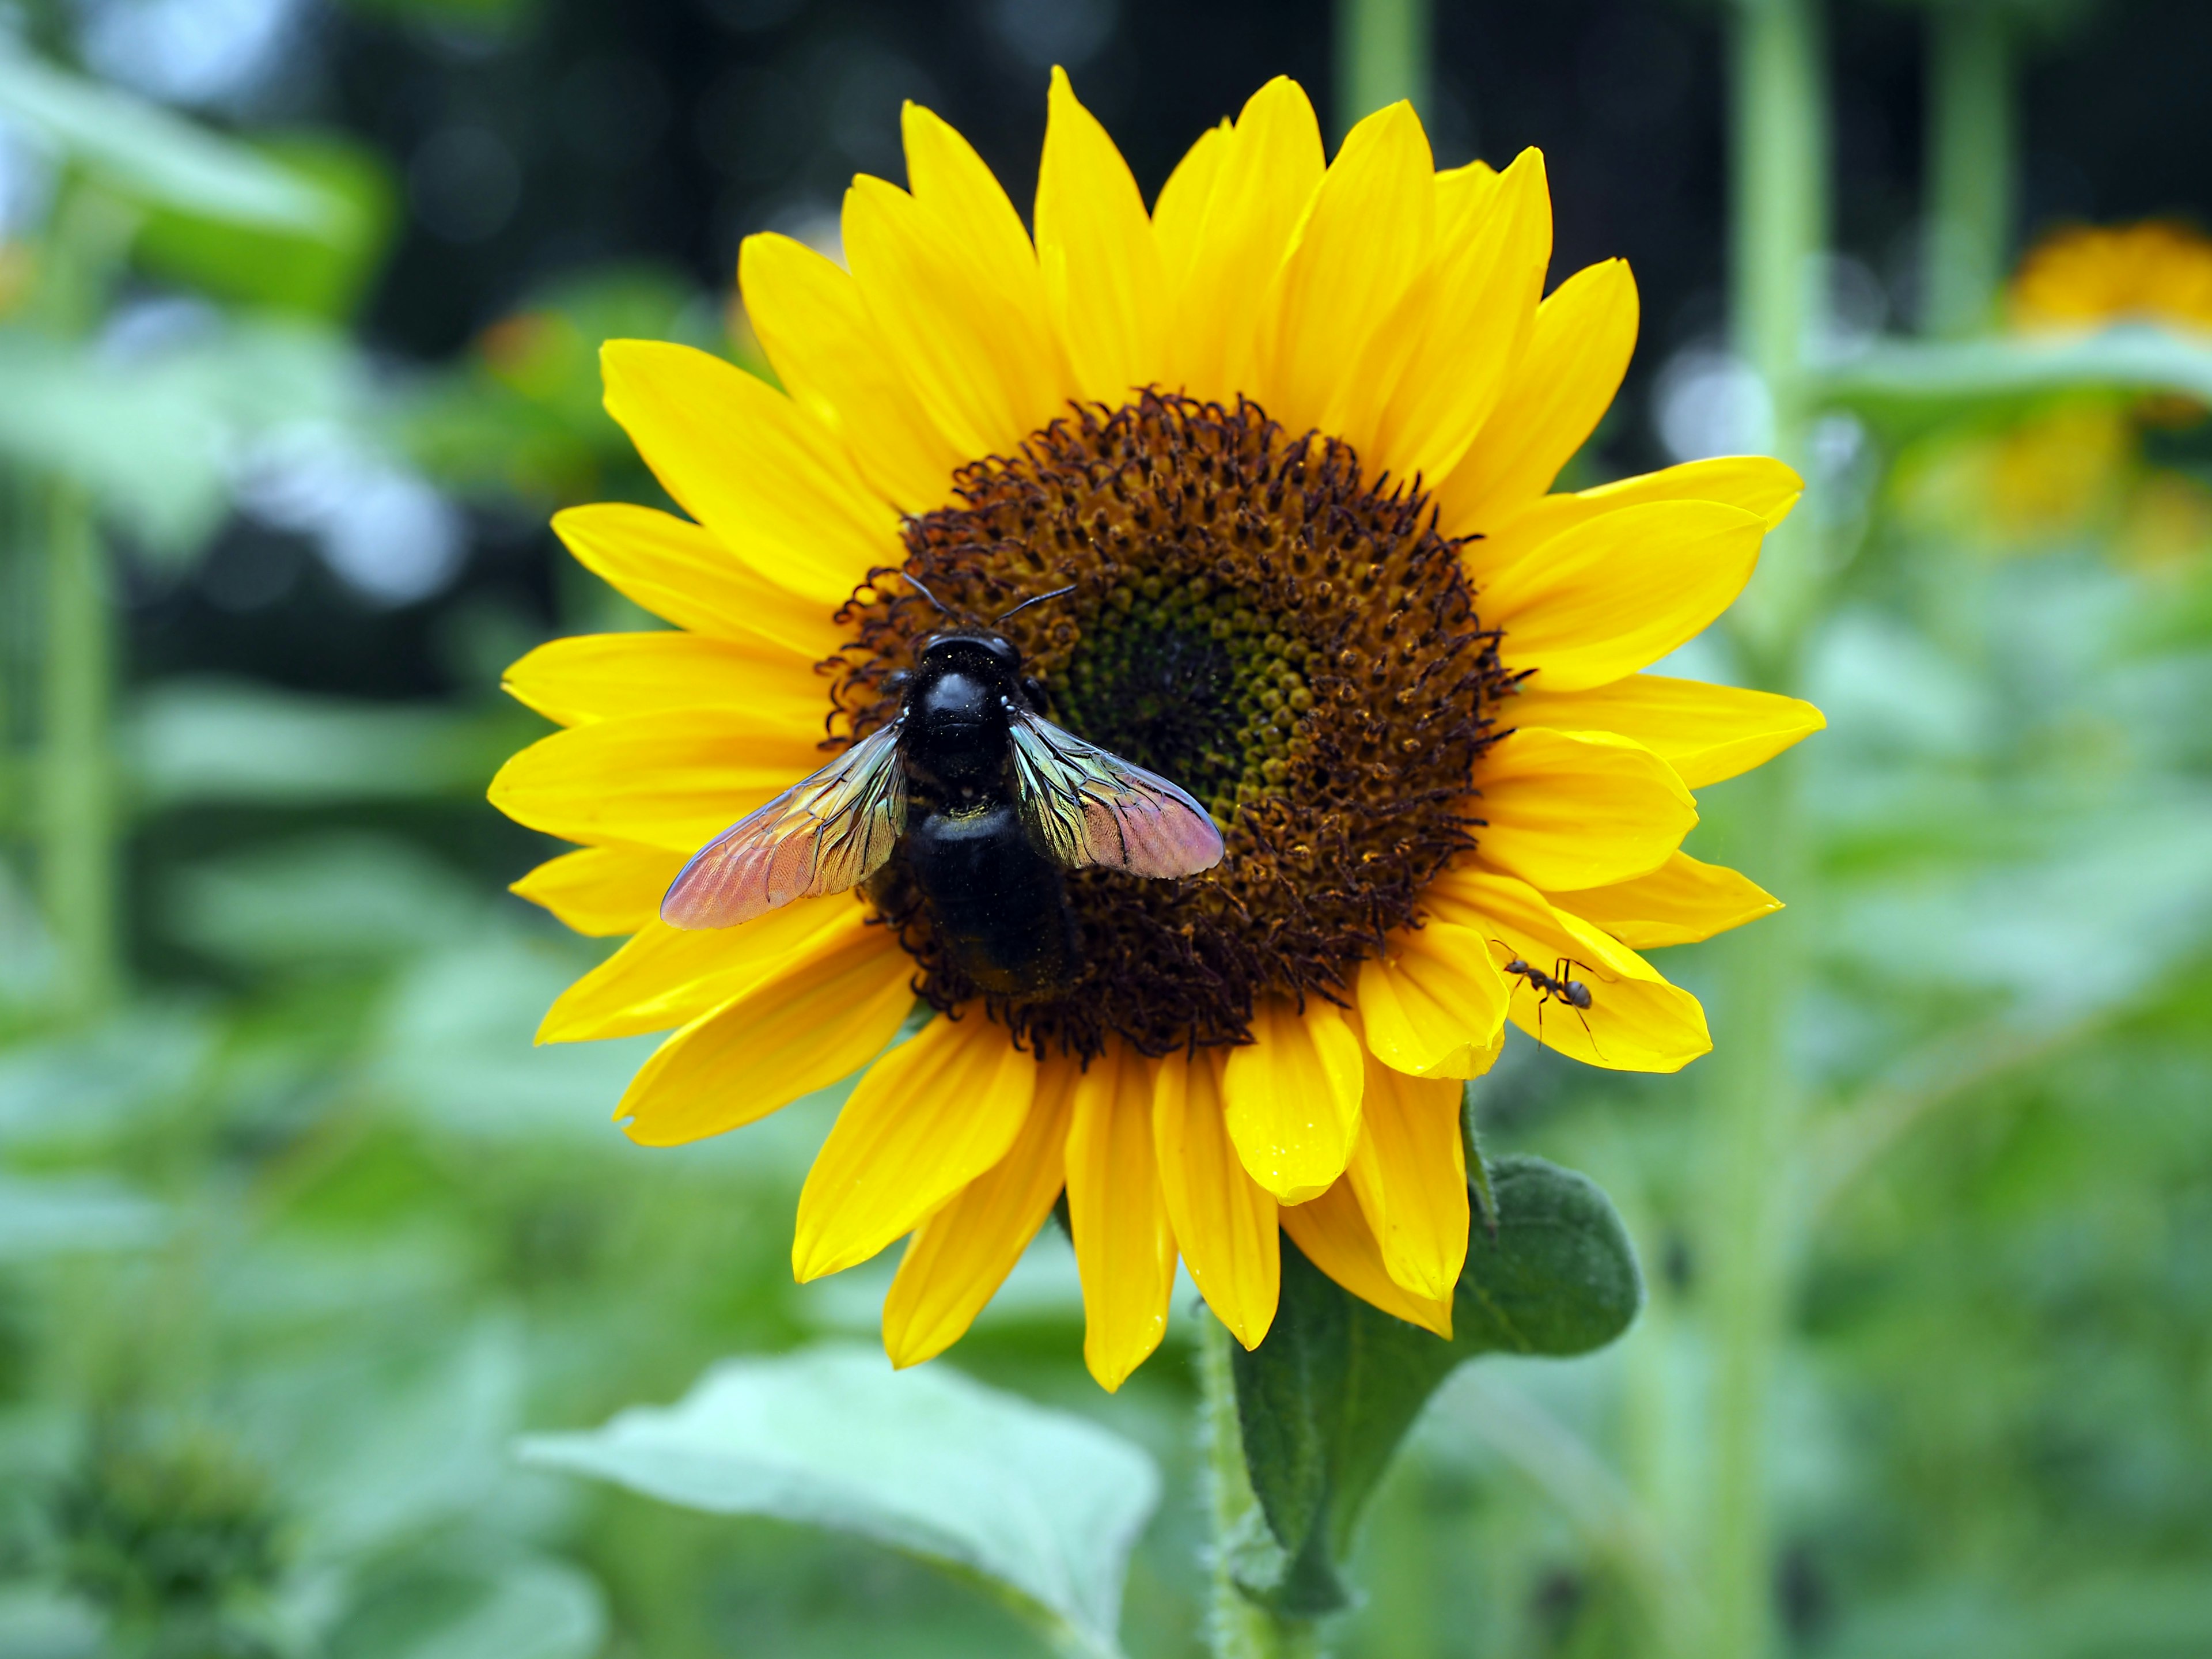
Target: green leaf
(445,1603)
(1908,384)
(536,1610)
(1559,1279)
(1041,1505)
(343,898)
(1324,1401)
(155,438)
(39,1622)
(143,153)
(480,18)
(63,1214)
(193,742)
(319,274)
(97,1082)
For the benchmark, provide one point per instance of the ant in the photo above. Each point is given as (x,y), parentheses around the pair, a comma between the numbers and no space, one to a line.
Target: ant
(1554,987)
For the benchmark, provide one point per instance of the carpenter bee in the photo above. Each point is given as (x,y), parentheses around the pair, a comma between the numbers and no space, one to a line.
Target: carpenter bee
(991,801)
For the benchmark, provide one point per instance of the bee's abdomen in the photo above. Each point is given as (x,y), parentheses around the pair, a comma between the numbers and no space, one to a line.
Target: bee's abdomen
(1000,907)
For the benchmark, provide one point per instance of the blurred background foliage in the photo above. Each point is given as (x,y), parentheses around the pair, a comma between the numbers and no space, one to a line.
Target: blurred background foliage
(299,304)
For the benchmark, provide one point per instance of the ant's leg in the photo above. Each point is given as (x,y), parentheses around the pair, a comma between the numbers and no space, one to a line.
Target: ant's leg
(1595,1044)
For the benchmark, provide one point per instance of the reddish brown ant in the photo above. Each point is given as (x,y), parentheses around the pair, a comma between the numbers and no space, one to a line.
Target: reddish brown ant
(1555,986)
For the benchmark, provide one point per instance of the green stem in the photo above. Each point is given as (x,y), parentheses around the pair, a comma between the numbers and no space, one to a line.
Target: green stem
(1239,1628)
(1970,184)
(1780,189)
(77,817)
(1781,205)
(1755,1113)
(1383,50)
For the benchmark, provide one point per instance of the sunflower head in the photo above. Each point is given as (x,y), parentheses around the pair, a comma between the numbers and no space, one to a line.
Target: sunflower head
(2085,277)
(1296,644)
(1284,438)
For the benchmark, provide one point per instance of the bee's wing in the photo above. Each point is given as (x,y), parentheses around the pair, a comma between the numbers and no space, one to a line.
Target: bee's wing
(1083,805)
(823,834)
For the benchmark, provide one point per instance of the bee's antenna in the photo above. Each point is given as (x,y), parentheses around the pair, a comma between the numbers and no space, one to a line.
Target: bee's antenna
(1037,599)
(916,583)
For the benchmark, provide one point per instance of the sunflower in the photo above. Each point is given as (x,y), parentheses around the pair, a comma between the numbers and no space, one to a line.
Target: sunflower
(2085,277)
(2073,465)
(1286,441)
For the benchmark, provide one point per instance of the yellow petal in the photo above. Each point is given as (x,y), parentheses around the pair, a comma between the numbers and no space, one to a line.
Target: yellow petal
(773,484)
(1432,1003)
(677,570)
(595,677)
(959,1258)
(1125,1247)
(952,286)
(1367,234)
(668,976)
(929,1117)
(1463,192)
(1606,597)
(1224,1220)
(1179,215)
(1705,732)
(673,780)
(1271,165)
(1292,1097)
(1755,482)
(1335,1237)
(955,186)
(601,890)
(1409,1172)
(814,325)
(1104,285)
(1494,240)
(1679,903)
(1577,352)
(1578,809)
(820,1017)
(1636,1022)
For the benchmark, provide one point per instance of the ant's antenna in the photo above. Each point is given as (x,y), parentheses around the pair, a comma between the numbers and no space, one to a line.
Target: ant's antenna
(916,583)
(1037,599)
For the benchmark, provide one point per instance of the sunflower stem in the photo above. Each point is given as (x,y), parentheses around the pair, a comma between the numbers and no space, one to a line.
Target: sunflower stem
(1781,207)
(78,825)
(1382,55)
(1238,1627)
(1970,184)
(77,818)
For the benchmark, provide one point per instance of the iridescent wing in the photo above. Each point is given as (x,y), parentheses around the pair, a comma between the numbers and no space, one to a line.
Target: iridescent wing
(823,834)
(1083,805)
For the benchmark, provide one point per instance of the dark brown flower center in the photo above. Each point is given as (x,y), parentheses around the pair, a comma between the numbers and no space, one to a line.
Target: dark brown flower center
(1294,645)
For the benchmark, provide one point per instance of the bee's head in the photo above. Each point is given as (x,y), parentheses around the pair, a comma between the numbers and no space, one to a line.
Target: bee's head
(970,647)
(963,672)
(979,656)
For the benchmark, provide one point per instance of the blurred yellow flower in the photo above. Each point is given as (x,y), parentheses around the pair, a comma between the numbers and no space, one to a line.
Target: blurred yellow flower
(2087,275)
(2168,524)
(19,275)
(2049,478)
(1289,435)
(2073,468)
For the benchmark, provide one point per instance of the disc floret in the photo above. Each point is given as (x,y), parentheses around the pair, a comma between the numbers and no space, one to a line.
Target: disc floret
(1292,642)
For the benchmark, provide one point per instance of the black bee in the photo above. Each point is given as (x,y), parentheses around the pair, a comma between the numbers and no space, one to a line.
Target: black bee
(991,802)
